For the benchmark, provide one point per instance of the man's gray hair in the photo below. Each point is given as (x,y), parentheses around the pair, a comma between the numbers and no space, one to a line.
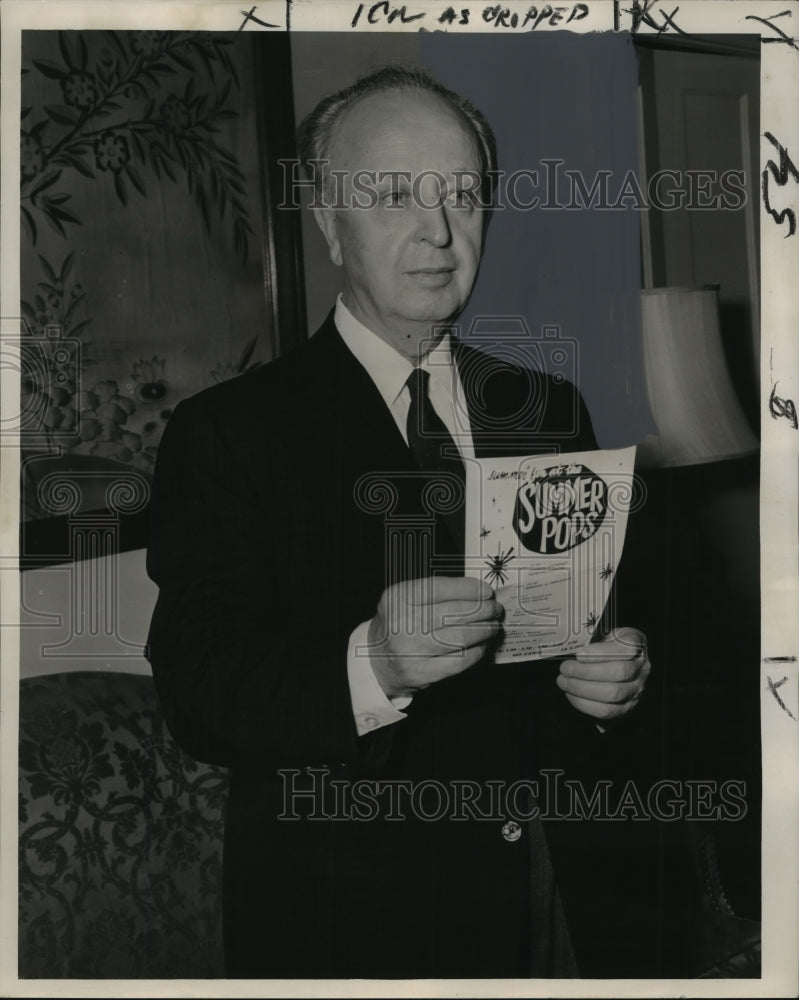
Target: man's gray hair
(317,129)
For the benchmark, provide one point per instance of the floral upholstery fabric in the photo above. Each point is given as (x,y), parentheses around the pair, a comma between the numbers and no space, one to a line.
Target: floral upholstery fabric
(120,849)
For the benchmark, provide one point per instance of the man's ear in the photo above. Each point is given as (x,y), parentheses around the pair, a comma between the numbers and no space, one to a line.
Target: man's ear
(327,222)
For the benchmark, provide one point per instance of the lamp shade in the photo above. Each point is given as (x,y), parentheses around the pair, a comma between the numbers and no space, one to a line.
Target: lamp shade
(691,394)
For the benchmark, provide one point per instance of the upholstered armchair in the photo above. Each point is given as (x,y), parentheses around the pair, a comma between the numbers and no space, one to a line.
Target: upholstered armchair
(120,847)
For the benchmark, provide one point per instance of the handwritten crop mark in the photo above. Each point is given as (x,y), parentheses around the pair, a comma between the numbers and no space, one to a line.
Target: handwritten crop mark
(772,686)
(780,174)
(779,407)
(248,15)
(767,21)
(640,13)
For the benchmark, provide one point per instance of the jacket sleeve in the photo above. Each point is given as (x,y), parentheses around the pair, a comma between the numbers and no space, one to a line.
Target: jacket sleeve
(238,685)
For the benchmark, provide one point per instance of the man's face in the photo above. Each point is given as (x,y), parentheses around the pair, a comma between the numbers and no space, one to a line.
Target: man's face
(411,258)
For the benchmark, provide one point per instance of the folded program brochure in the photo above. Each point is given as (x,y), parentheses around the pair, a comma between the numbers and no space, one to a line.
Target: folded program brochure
(547,533)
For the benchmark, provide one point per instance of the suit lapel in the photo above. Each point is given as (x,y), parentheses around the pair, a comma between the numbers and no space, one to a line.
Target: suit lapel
(373,440)
(381,489)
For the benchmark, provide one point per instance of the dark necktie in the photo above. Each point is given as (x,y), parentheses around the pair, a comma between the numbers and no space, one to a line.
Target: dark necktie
(435,453)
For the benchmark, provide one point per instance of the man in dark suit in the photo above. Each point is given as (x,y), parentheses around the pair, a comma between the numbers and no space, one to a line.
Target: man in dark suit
(314,631)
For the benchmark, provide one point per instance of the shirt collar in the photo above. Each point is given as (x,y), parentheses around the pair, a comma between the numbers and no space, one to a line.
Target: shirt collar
(387,368)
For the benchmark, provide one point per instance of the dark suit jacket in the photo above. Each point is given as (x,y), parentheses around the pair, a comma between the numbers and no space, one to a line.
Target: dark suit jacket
(265,563)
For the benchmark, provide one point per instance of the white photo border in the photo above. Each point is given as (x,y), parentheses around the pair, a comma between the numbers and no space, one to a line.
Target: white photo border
(777,23)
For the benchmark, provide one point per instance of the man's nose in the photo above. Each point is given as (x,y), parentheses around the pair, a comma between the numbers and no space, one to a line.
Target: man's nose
(433,222)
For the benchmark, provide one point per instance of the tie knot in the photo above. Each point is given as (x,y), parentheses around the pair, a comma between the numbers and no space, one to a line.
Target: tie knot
(417,384)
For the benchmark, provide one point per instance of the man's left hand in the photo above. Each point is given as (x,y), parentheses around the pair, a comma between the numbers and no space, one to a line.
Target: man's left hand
(608,677)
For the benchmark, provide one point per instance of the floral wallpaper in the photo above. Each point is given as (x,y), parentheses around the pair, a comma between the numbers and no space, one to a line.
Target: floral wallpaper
(140,205)
(121,115)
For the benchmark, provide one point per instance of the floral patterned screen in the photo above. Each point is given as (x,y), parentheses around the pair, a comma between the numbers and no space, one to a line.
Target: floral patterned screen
(150,249)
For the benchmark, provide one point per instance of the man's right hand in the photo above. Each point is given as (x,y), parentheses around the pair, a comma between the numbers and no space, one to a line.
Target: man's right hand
(428,629)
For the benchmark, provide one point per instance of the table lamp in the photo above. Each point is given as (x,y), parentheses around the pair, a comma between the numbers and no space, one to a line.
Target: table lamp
(691,394)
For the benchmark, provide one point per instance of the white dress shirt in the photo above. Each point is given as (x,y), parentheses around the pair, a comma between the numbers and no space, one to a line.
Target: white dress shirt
(389,371)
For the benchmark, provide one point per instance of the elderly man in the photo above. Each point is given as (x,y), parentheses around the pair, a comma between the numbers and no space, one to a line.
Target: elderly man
(304,638)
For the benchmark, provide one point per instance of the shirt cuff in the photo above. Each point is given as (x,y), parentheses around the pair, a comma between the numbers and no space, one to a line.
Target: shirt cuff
(371,706)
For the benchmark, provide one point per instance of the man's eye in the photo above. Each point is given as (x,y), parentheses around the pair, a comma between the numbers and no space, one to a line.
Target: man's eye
(463,199)
(395,199)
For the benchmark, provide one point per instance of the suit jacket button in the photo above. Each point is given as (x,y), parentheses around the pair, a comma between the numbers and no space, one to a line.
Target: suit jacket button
(511,831)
